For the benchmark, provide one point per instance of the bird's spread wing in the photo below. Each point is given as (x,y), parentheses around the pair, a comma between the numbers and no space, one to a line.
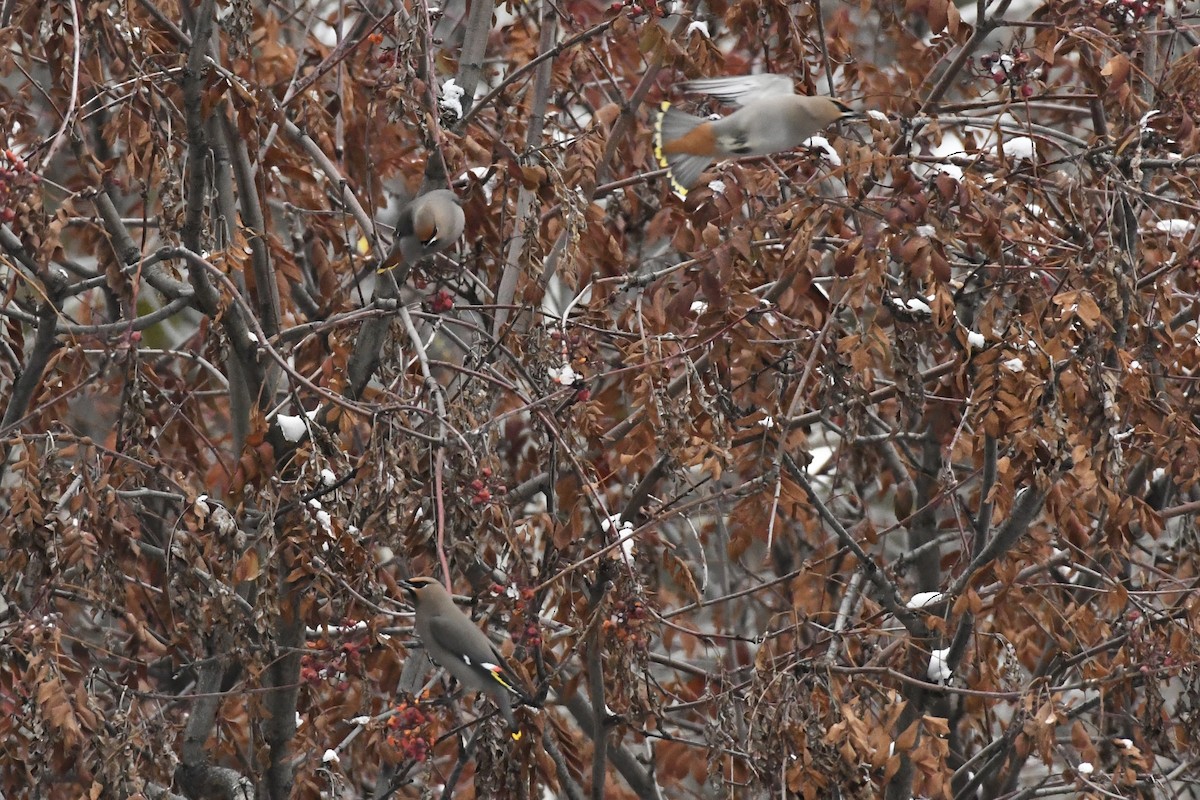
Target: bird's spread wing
(742,89)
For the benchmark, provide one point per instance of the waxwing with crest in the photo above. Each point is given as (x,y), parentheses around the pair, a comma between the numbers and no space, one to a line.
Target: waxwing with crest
(771,117)
(429,224)
(462,649)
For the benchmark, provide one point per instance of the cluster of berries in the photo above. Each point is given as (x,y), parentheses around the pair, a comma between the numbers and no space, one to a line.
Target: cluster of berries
(320,664)
(627,622)
(484,487)
(531,635)
(408,732)
(441,302)
(1011,68)
(14,177)
(386,57)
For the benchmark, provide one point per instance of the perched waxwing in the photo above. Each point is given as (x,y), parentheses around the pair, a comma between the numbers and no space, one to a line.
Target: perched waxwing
(427,225)
(462,649)
(771,117)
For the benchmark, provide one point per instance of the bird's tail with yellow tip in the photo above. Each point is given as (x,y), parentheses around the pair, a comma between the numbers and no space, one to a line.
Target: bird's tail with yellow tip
(685,160)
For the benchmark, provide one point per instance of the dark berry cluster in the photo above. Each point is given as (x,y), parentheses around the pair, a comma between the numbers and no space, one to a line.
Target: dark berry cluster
(441,302)
(408,732)
(385,57)
(323,664)
(531,635)
(1012,68)
(484,487)
(15,178)
(627,622)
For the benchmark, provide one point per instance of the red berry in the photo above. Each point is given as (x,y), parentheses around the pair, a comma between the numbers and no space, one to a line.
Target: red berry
(441,302)
(476,485)
(7,215)
(486,472)
(635,10)
(1027,91)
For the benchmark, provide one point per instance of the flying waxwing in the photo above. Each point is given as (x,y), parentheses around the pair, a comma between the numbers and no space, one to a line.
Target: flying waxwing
(427,225)
(462,649)
(771,117)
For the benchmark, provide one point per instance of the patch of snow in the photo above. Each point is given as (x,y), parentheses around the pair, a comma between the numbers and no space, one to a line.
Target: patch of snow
(293,428)
(939,670)
(1175,227)
(827,151)
(1020,147)
(564,376)
(451,99)
(922,599)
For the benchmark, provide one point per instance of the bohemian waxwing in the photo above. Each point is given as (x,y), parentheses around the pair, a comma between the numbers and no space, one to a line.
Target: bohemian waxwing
(771,117)
(427,225)
(462,649)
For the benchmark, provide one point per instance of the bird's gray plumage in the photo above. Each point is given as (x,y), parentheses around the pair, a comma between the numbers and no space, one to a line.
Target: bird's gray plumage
(429,224)
(771,117)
